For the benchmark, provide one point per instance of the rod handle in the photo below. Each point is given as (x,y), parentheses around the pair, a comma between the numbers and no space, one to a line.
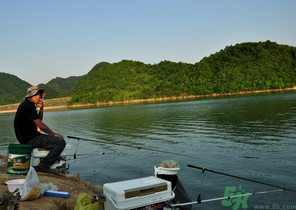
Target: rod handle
(72,137)
(201,168)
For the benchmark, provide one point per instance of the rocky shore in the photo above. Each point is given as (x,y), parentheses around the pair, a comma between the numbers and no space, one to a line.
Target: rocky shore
(66,183)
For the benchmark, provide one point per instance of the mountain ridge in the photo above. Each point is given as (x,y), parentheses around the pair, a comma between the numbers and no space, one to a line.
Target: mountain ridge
(13,89)
(247,66)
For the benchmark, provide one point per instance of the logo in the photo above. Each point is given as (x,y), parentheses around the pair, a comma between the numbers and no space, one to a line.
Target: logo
(236,198)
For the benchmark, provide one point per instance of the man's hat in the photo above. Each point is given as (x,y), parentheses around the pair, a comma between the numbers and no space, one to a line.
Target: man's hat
(32,91)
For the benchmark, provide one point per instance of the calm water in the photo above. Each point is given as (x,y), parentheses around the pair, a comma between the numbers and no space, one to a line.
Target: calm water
(251,136)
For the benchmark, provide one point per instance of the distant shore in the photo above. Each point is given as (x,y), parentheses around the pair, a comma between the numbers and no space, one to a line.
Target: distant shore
(61,102)
(49,107)
(48,104)
(182,97)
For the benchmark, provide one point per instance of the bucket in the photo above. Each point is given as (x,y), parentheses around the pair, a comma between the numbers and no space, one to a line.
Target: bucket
(19,156)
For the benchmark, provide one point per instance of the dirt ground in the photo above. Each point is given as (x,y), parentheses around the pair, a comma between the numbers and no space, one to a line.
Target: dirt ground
(66,183)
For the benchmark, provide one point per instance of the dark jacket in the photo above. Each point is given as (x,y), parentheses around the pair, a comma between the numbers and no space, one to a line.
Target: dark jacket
(24,127)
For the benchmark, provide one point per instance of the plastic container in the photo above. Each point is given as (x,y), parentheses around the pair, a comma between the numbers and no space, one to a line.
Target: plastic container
(19,156)
(167,171)
(14,184)
(40,153)
(137,193)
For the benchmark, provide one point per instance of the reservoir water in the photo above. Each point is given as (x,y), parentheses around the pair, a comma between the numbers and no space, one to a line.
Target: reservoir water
(250,136)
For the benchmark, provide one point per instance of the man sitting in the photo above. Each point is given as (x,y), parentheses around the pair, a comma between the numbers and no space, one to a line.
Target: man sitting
(27,122)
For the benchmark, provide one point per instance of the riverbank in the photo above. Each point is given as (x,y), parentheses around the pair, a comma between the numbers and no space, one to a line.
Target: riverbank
(66,183)
(184,97)
(60,103)
(48,104)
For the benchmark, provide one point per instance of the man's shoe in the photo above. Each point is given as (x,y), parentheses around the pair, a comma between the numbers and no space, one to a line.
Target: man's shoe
(45,170)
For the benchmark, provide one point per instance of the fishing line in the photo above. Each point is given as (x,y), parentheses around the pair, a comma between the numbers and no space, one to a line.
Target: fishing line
(135,147)
(204,169)
(198,201)
(89,155)
(224,198)
(103,169)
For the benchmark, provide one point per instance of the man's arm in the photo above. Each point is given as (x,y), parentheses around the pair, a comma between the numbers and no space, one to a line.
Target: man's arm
(41,105)
(46,129)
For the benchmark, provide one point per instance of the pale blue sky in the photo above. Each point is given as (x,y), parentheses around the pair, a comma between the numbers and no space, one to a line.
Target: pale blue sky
(41,39)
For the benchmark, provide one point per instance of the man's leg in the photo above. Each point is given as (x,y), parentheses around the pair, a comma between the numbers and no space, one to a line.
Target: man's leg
(56,145)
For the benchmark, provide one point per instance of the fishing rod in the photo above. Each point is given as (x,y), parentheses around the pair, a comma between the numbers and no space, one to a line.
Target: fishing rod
(224,198)
(204,169)
(198,201)
(124,145)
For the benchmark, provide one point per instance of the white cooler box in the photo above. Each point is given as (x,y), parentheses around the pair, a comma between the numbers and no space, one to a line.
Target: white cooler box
(137,193)
(39,153)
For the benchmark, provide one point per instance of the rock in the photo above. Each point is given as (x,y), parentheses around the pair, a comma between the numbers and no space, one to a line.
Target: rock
(69,176)
(10,201)
(97,189)
(77,178)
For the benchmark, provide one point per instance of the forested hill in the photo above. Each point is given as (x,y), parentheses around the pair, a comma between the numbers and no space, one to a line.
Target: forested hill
(13,89)
(63,85)
(243,67)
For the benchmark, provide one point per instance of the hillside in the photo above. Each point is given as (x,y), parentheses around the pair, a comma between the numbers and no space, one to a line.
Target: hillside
(12,89)
(50,92)
(63,85)
(243,67)
(60,87)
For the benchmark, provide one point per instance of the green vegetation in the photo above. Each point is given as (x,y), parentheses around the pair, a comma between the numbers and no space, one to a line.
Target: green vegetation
(63,86)
(12,89)
(60,87)
(250,66)
(243,67)
(50,92)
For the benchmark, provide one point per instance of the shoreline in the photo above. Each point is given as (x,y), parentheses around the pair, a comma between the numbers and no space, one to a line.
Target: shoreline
(158,99)
(75,186)
(49,107)
(180,97)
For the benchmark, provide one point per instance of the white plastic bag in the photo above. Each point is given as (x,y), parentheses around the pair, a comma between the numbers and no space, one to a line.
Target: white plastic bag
(49,186)
(31,189)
